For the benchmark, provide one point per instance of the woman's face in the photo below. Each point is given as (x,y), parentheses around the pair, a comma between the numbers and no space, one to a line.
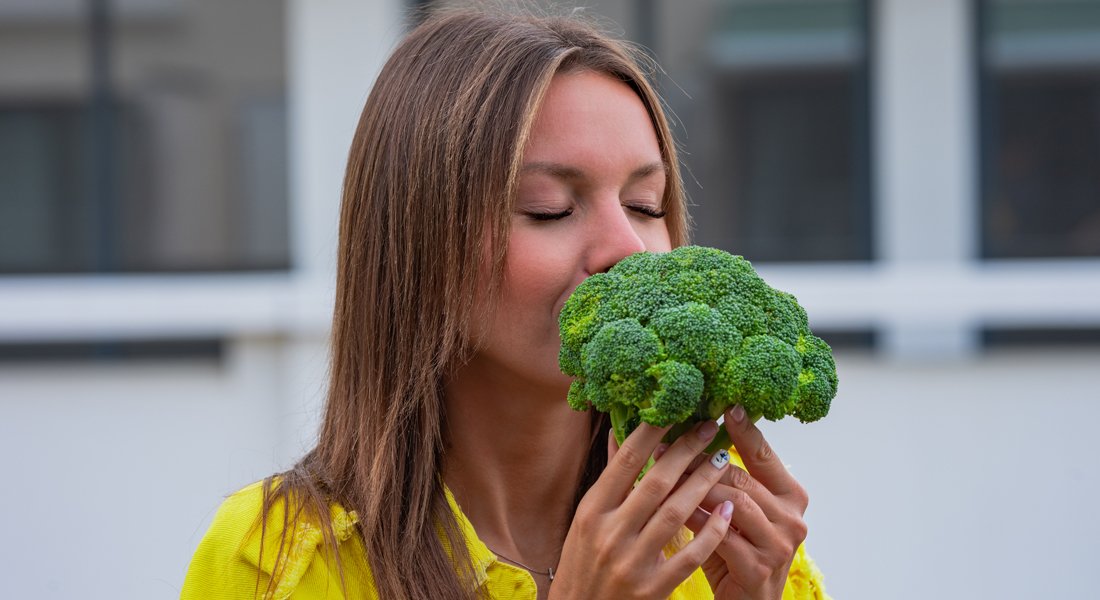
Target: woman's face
(590,193)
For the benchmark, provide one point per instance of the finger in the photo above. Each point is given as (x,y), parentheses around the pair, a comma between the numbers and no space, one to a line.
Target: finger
(757,454)
(710,530)
(659,482)
(750,564)
(624,465)
(735,461)
(613,447)
(741,557)
(659,451)
(750,519)
(682,502)
(734,550)
(775,534)
(698,520)
(735,477)
(753,524)
(776,509)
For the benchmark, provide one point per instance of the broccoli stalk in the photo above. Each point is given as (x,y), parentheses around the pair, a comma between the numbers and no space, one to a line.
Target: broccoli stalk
(677,338)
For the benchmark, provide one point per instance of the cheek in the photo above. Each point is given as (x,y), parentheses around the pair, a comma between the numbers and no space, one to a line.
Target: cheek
(657,238)
(538,271)
(531,274)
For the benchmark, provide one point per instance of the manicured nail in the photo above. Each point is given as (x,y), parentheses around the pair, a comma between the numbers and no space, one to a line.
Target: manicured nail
(708,430)
(720,458)
(726,510)
(738,414)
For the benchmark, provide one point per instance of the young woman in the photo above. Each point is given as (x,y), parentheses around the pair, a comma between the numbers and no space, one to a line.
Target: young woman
(500,160)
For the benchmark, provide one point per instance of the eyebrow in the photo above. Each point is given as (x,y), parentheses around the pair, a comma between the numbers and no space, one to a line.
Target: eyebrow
(563,171)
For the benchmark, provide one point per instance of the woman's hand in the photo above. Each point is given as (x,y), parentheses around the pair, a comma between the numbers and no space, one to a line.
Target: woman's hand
(755,554)
(614,545)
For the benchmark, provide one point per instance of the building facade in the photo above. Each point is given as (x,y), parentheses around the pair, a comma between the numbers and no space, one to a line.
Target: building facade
(924,175)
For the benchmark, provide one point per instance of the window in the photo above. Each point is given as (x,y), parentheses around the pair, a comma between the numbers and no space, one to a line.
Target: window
(1040,87)
(775,124)
(142,136)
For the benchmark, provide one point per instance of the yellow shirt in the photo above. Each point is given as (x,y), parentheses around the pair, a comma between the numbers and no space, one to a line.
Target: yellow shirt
(227,563)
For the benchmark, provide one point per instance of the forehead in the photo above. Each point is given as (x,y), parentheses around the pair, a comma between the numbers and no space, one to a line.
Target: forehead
(591,118)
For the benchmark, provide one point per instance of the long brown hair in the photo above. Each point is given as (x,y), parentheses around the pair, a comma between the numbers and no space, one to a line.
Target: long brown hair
(427,197)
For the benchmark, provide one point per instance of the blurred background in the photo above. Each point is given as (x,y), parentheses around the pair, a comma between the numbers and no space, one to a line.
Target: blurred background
(923,174)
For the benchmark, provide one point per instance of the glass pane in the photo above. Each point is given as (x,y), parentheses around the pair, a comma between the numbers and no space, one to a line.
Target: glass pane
(177,163)
(1041,128)
(775,123)
(42,203)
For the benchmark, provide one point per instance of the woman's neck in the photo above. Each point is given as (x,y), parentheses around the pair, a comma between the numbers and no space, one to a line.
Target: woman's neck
(514,458)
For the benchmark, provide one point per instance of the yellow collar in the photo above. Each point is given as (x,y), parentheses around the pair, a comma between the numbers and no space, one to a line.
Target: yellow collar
(480,555)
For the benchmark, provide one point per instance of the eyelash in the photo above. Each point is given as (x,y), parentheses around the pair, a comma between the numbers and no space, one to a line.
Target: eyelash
(550,216)
(648,211)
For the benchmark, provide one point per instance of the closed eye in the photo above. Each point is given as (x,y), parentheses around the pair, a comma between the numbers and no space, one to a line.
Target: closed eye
(649,211)
(549,216)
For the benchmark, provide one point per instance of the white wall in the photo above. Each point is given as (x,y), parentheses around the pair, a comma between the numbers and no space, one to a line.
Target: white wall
(959,480)
(113,471)
(968,479)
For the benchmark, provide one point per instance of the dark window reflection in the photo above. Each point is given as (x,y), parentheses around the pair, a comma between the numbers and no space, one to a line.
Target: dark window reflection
(191,172)
(789,175)
(1041,135)
(775,124)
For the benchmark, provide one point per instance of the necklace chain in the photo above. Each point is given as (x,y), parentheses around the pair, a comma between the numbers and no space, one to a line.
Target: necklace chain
(548,573)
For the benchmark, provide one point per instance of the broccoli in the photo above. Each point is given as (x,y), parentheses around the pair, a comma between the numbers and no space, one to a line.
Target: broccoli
(677,338)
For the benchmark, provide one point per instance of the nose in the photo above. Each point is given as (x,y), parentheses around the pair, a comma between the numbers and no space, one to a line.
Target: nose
(612,237)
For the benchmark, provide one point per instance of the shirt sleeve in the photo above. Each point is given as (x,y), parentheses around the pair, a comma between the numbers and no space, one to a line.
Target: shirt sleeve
(229,564)
(218,570)
(805,581)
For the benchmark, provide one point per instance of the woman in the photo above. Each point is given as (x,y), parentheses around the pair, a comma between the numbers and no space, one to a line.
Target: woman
(498,161)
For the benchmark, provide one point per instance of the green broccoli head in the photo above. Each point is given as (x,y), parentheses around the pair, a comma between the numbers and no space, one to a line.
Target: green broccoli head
(679,337)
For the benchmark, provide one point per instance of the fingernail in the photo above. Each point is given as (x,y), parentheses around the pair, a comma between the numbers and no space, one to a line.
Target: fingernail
(659,451)
(738,413)
(726,510)
(708,430)
(720,458)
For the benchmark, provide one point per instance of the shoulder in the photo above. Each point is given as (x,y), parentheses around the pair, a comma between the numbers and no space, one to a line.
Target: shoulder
(241,553)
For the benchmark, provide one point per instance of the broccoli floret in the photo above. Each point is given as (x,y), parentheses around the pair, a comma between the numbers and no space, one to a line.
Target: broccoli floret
(674,398)
(697,334)
(679,337)
(762,377)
